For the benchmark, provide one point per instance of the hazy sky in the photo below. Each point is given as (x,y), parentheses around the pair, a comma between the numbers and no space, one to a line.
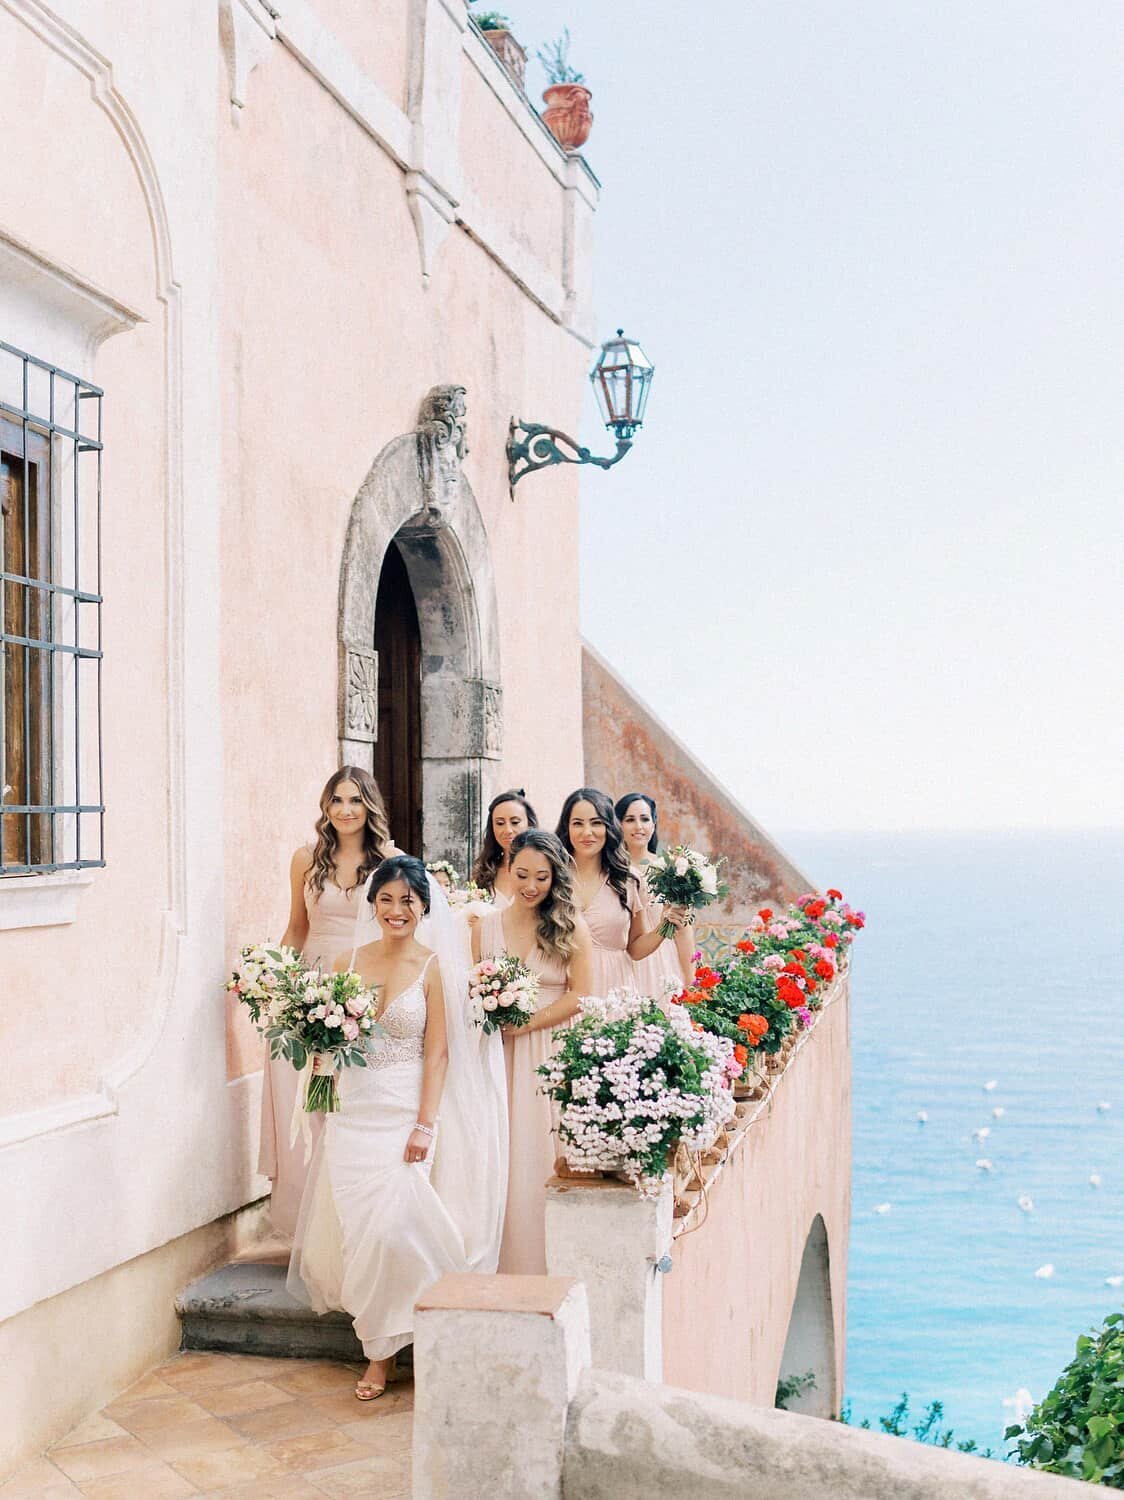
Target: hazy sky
(866,556)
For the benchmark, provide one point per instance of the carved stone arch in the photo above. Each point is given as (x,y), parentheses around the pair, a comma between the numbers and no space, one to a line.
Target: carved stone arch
(810,1345)
(416,496)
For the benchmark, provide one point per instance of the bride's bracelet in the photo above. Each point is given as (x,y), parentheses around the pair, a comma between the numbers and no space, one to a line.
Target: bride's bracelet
(425,1129)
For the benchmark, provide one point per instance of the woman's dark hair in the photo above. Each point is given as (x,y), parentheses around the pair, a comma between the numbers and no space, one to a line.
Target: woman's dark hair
(401,867)
(614,861)
(490,857)
(556,911)
(623,805)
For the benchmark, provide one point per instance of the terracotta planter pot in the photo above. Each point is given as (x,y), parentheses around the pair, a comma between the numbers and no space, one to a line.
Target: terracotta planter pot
(567,115)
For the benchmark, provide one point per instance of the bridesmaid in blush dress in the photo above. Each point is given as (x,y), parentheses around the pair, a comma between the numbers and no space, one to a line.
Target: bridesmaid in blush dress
(607,892)
(669,966)
(508,814)
(327,917)
(543,928)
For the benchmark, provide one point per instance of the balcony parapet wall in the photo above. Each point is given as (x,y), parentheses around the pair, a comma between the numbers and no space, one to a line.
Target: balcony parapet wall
(739,1266)
(627,748)
(518,1346)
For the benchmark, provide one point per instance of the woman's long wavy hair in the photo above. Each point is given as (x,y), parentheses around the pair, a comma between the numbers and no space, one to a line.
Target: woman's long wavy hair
(376,834)
(490,858)
(614,860)
(556,912)
(623,805)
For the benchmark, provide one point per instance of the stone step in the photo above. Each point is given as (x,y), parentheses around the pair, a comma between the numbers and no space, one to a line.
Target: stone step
(244,1308)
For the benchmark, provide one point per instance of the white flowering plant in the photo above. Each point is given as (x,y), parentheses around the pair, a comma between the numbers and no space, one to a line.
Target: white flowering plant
(633,1083)
(301,1011)
(683,877)
(502,991)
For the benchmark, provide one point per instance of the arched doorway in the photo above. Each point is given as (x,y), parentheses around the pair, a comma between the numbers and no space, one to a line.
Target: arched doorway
(398,767)
(417,577)
(809,1348)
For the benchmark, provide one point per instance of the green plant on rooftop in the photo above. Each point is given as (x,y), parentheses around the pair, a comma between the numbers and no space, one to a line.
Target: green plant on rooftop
(1077,1429)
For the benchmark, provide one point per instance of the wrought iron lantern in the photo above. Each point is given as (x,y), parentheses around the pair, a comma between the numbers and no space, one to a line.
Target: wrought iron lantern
(621,379)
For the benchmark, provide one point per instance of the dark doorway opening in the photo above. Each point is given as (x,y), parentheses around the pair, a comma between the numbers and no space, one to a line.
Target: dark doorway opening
(398,765)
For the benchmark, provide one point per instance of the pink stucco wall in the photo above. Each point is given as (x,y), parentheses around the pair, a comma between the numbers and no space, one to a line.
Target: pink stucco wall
(728,1301)
(329,341)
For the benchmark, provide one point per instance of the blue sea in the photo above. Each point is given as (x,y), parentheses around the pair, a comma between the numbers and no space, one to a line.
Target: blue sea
(987,958)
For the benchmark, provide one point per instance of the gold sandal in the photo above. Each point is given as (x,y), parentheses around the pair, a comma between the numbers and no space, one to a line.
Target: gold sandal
(365,1391)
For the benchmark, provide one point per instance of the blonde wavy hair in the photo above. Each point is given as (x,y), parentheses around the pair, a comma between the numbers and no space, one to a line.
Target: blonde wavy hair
(376,834)
(557,913)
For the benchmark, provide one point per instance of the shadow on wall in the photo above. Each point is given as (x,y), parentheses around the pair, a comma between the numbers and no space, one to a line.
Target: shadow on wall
(809,1348)
(627,748)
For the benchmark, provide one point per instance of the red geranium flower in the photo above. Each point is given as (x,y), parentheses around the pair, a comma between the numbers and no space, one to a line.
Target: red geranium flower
(824,969)
(745,946)
(835,895)
(791,993)
(798,953)
(815,909)
(741,1053)
(707,978)
(855,919)
(831,941)
(765,914)
(792,967)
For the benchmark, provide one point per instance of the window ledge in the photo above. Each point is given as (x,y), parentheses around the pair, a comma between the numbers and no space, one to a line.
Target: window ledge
(41,900)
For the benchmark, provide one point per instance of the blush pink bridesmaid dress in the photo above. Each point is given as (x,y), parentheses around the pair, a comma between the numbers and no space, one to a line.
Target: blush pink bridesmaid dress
(661,973)
(609,925)
(530,1115)
(337,922)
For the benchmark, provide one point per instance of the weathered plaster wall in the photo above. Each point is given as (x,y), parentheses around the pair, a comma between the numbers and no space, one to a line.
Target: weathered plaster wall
(728,1302)
(628,749)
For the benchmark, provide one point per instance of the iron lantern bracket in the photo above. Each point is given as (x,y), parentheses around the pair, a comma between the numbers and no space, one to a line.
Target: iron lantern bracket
(531,446)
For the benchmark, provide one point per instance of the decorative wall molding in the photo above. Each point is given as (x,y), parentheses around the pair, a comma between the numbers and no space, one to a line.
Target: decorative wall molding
(89,314)
(423,140)
(247,30)
(41,901)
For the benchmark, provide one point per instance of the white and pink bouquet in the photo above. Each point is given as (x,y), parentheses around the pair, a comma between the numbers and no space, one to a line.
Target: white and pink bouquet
(684,877)
(301,1011)
(471,900)
(633,1083)
(261,978)
(503,992)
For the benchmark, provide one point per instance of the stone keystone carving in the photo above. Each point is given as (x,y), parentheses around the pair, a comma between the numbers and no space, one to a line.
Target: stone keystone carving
(442,444)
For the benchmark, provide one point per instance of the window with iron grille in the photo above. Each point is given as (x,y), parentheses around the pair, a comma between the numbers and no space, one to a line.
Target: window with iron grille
(51,810)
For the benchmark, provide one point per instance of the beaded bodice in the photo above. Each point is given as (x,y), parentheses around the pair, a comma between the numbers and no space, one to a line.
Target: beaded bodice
(402,1038)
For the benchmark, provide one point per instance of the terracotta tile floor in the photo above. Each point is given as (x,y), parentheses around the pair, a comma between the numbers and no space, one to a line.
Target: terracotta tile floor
(235,1426)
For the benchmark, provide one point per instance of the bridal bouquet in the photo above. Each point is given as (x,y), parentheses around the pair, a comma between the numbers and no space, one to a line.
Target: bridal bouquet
(261,978)
(684,877)
(300,1011)
(334,1015)
(633,1083)
(503,992)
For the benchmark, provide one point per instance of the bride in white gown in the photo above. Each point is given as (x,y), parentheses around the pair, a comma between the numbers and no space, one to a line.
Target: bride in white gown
(394,1199)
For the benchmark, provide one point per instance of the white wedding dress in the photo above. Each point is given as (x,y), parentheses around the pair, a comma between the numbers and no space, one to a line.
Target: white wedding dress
(374,1231)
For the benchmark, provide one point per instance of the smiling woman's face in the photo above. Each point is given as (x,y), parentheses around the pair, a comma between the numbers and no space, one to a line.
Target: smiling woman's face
(586,829)
(532,877)
(397,909)
(508,819)
(347,812)
(637,826)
